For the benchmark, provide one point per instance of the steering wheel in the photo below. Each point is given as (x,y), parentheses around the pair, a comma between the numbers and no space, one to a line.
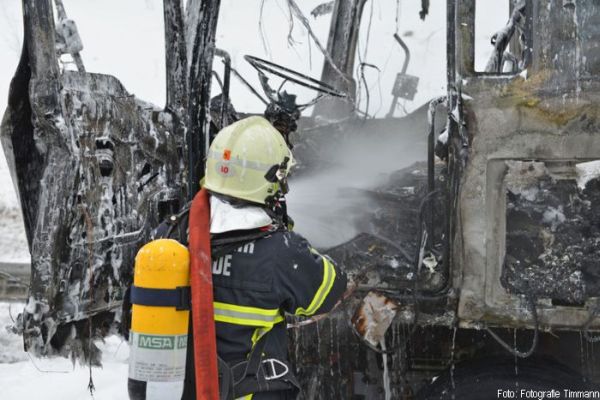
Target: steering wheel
(264,66)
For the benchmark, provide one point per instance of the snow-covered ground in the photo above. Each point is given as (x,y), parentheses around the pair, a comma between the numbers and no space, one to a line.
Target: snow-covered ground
(13,244)
(25,378)
(124,38)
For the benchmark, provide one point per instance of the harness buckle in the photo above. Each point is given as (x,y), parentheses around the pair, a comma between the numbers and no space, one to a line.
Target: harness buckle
(271,372)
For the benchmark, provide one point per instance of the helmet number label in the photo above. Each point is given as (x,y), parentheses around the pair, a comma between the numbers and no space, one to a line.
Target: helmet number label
(224,169)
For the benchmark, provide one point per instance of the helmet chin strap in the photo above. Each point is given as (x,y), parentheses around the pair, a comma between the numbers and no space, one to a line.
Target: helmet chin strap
(276,203)
(277,209)
(287,221)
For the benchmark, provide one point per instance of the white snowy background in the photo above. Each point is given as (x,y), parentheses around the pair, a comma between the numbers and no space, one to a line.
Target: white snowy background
(125,39)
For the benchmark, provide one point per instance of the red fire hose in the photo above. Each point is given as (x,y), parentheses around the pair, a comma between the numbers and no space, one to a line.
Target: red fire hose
(205,341)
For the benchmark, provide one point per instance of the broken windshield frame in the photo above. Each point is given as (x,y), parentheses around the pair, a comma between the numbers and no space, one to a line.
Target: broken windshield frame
(131,49)
(280,33)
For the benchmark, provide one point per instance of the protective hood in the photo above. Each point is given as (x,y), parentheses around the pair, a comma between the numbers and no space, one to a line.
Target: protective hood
(224,217)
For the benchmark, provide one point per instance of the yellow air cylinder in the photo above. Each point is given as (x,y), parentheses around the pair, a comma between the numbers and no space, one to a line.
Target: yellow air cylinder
(159,326)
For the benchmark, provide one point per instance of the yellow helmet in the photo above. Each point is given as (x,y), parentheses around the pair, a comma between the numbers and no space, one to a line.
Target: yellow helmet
(248,160)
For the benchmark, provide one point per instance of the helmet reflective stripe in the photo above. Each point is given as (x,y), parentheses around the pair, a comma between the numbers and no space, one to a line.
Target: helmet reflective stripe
(240,156)
(257,165)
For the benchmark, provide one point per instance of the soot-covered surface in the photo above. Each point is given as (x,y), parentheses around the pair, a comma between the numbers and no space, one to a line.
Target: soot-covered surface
(552,239)
(387,249)
(381,258)
(105,165)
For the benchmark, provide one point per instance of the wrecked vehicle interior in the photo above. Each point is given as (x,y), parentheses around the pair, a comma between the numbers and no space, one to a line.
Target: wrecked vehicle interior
(472,244)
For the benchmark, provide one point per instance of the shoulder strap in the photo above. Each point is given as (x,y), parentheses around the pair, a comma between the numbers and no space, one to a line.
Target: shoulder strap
(249,376)
(175,226)
(225,243)
(230,377)
(253,363)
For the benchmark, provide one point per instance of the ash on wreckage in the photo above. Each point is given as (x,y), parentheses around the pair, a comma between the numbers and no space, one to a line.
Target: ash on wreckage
(472,258)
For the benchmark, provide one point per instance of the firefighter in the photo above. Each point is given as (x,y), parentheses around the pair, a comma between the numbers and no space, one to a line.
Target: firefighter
(261,269)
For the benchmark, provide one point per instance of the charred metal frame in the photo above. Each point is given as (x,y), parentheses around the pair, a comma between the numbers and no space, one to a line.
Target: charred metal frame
(512,118)
(343,39)
(431,138)
(96,170)
(201,30)
(176,59)
(226,84)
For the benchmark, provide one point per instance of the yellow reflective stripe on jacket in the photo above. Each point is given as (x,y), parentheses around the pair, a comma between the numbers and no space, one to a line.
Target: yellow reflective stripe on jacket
(246,397)
(258,333)
(247,316)
(324,289)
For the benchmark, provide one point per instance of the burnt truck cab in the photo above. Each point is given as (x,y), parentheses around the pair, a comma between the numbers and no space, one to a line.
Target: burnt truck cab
(524,154)
(96,168)
(460,264)
(526,223)
(502,289)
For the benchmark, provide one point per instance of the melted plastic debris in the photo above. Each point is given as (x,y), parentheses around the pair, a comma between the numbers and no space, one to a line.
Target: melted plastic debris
(373,317)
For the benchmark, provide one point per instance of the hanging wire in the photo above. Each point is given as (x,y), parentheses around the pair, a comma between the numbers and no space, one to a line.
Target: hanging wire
(513,350)
(265,44)
(90,234)
(304,21)
(360,69)
(378,83)
(10,313)
(44,370)
(290,37)
(291,42)
(362,66)
(369,30)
